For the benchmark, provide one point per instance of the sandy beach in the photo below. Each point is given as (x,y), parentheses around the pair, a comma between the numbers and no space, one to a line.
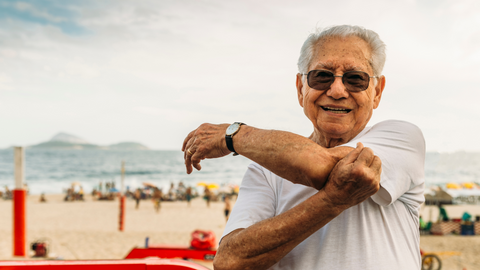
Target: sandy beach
(89,229)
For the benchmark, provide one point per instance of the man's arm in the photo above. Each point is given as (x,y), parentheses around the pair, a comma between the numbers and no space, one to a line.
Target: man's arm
(288,155)
(354,179)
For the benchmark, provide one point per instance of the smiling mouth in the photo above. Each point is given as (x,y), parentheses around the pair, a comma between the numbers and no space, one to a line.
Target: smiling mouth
(336,110)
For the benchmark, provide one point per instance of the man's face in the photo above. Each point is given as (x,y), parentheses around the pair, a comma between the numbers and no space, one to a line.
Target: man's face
(340,55)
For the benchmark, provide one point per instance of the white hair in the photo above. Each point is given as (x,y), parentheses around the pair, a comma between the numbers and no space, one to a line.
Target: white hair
(378,57)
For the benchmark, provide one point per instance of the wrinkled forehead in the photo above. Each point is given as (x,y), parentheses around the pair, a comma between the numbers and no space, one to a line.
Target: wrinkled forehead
(342,54)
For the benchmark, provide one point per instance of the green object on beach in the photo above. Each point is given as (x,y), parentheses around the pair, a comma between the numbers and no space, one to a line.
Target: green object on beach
(422,223)
(466,216)
(443,214)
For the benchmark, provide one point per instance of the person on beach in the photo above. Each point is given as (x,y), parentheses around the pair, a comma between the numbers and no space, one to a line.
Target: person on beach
(80,194)
(207,195)
(157,198)
(228,207)
(8,194)
(188,195)
(137,196)
(346,197)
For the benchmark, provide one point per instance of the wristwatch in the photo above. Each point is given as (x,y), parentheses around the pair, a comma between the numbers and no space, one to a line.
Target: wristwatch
(232,130)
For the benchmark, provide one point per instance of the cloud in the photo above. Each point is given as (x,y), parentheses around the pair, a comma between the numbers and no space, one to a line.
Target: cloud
(95,67)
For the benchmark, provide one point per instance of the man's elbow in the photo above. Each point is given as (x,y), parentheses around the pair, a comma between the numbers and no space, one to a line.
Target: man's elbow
(222,262)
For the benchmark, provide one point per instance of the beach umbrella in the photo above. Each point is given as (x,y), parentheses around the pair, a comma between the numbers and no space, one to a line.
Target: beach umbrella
(76,184)
(213,186)
(148,184)
(113,190)
(201,184)
(469,185)
(452,185)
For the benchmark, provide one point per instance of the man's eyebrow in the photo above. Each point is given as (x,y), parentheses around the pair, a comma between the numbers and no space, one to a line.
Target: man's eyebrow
(328,66)
(331,66)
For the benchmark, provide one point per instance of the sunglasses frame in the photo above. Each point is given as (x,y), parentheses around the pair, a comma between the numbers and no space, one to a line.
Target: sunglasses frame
(341,76)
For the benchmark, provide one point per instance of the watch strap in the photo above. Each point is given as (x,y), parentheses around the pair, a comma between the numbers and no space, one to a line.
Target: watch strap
(229,139)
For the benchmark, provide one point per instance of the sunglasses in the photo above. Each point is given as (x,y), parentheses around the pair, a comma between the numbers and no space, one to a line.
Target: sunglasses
(354,81)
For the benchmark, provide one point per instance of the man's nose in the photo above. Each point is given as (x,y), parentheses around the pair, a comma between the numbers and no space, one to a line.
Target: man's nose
(337,89)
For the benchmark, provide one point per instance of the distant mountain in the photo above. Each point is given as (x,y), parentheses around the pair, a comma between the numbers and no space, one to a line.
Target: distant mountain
(65,145)
(68,141)
(64,137)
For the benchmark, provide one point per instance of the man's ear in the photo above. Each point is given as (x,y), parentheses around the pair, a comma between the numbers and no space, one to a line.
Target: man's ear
(299,89)
(378,91)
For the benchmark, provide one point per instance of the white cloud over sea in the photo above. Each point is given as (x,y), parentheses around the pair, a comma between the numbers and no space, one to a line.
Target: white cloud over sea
(151,71)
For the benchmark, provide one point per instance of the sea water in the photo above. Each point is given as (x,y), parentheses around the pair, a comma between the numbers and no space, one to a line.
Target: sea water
(53,171)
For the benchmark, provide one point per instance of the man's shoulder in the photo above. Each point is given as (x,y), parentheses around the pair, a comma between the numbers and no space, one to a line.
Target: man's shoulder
(394,124)
(401,132)
(390,133)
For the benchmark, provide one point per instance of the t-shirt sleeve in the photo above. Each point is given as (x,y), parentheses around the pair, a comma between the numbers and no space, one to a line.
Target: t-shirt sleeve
(255,202)
(401,147)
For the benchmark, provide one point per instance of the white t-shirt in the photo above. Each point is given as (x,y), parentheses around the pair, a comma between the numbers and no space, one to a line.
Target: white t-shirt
(379,233)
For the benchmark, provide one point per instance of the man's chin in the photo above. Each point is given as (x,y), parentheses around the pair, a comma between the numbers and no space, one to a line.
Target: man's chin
(335,130)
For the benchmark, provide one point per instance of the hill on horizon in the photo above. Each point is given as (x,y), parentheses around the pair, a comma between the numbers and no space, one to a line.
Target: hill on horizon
(64,140)
(69,138)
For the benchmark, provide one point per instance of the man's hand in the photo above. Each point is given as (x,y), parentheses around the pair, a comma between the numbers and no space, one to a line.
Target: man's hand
(355,178)
(207,141)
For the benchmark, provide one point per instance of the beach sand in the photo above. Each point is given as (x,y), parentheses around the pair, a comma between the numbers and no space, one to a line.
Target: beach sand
(89,229)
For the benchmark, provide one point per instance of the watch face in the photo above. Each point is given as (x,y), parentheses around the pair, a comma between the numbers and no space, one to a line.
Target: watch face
(232,128)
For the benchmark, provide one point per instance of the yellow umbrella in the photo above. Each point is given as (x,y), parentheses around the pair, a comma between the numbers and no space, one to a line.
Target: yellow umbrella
(213,186)
(469,185)
(453,186)
(201,184)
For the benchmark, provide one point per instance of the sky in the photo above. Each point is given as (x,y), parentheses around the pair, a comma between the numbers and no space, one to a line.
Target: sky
(152,71)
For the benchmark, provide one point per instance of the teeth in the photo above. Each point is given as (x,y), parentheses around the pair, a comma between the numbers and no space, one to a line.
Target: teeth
(336,110)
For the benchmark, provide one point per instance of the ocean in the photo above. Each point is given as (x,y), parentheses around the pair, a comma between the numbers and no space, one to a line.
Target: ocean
(53,171)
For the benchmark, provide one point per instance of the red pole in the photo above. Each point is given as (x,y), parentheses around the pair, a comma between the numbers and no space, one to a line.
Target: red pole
(19,228)
(122,213)
(19,200)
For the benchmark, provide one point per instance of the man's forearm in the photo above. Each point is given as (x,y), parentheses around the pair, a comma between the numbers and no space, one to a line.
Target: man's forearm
(265,243)
(291,156)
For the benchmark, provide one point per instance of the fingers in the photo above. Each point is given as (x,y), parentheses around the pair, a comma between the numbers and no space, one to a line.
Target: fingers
(189,147)
(189,136)
(196,161)
(192,156)
(376,164)
(187,155)
(365,157)
(353,155)
(188,152)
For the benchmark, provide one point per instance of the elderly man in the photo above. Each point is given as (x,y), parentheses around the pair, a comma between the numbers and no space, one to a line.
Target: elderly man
(324,202)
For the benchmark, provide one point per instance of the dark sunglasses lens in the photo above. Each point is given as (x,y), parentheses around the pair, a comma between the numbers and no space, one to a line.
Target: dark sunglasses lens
(356,81)
(320,79)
